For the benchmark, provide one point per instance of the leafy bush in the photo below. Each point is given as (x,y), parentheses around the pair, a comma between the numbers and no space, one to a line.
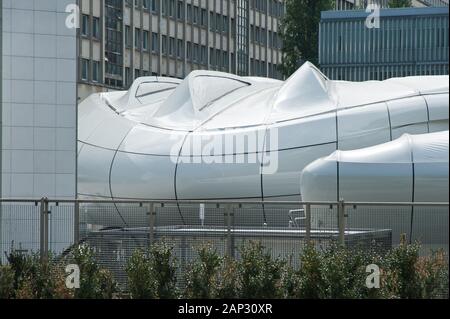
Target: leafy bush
(433,274)
(95,283)
(259,275)
(139,273)
(6,282)
(202,274)
(152,274)
(34,278)
(227,280)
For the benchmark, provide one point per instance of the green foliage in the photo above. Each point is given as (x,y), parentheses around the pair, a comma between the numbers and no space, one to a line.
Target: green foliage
(433,274)
(259,274)
(152,274)
(34,278)
(95,283)
(139,273)
(299,31)
(201,275)
(399,3)
(310,274)
(227,280)
(6,282)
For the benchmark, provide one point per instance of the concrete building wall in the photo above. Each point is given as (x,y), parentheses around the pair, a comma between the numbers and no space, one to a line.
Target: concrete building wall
(175,37)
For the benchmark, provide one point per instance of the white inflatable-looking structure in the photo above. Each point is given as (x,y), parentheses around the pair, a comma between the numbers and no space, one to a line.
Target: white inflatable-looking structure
(158,140)
(138,144)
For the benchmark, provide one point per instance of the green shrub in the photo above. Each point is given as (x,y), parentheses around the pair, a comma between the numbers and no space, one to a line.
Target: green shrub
(259,275)
(227,280)
(402,280)
(311,282)
(201,275)
(433,274)
(139,274)
(163,270)
(6,282)
(35,278)
(95,283)
(151,274)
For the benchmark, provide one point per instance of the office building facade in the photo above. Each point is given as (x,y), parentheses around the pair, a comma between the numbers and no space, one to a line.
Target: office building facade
(120,40)
(409,41)
(362,4)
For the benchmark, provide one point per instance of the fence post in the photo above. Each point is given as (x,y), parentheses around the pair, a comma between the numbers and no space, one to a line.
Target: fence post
(230,242)
(44,229)
(308,223)
(76,223)
(341,222)
(151,223)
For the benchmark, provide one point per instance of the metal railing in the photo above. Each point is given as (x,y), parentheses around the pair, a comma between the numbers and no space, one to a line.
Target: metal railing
(281,210)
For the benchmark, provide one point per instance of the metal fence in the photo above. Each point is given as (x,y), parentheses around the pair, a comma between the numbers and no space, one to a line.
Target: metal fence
(115,229)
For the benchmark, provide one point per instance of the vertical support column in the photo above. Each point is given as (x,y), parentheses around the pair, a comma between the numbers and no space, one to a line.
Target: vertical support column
(308,223)
(230,240)
(76,223)
(44,229)
(341,222)
(151,224)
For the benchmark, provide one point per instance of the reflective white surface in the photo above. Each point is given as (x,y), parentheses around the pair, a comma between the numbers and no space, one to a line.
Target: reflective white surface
(144,143)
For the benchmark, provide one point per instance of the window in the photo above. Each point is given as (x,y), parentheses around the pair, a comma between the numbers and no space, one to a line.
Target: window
(84,69)
(189,12)
(137,38)
(180,49)
(196,15)
(95,71)
(204,17)
(128,79)
(171,46)
(164,44)
(85,25)
(136,73)
(180,10)
(146,4)
(196,52)
(128,36)
(154,42)
(96,28)
(145,36)
(189,50)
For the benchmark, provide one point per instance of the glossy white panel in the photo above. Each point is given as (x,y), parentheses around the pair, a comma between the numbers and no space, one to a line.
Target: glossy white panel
(363,126)
(312,130)
(153,141)
(286,180)
(143,176)
(319,181)
(410,129)
(252,110)
(211,181)
(93,171)
(111,132)
(91,112)
(408,111)
(438,106)
(229,141)
(431,182)
(439,126)
(375,182)
(363,93)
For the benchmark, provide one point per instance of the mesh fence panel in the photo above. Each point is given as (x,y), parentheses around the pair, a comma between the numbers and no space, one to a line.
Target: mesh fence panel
(115,231)
(19,228)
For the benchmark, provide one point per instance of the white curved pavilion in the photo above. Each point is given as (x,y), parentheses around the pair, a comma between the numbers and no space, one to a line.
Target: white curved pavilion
(161,138)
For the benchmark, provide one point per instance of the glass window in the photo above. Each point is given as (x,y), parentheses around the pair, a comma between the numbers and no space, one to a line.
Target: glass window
(85,25)
(84,69)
